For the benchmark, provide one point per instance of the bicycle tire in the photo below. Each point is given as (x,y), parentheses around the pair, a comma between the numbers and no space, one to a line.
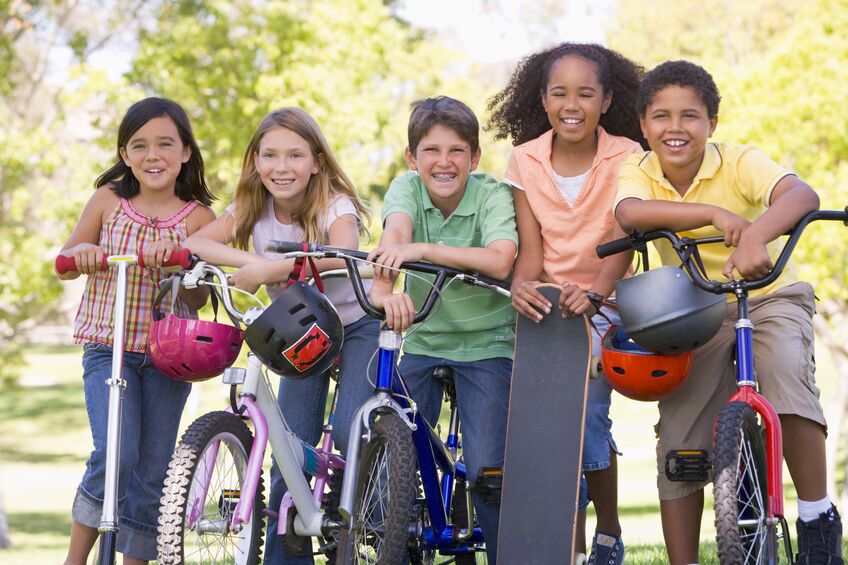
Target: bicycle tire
(740,483)
(385,482)
(207,538)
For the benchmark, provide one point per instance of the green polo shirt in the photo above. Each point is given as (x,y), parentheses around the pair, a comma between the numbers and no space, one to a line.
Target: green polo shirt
(471,323)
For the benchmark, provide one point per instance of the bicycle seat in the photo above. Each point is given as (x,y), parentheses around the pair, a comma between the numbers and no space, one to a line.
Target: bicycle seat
(443,376)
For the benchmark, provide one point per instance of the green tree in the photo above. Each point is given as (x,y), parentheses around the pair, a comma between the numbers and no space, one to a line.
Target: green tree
(350,64)
(48,149)
(782,68)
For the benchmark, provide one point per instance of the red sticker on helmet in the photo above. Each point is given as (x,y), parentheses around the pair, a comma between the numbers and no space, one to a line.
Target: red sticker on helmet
(309,349)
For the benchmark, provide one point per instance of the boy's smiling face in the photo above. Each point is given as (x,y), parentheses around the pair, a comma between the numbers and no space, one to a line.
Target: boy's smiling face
(677,125)
(443,161)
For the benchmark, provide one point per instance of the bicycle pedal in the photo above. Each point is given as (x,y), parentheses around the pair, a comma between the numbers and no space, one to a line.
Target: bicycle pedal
(228,500)
(687,465)
(489,484)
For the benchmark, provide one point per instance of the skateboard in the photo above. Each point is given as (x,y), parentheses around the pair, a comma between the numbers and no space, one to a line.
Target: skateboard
(544,438)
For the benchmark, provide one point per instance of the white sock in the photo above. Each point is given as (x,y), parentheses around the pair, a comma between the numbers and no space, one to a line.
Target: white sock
(809,511)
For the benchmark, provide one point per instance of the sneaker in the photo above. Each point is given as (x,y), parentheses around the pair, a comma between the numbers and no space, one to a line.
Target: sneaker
(820,541)
(606,550)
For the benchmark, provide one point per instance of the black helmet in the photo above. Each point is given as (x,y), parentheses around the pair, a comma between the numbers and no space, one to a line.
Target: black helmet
(663,311)
(299,335)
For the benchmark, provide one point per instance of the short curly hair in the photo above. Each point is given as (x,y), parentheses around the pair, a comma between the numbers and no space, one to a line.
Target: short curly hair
(517,110)
(678,73)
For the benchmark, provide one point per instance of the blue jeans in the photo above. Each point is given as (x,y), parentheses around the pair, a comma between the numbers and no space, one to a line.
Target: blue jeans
(597,440)
(152,407)
(303,403)
(482,393)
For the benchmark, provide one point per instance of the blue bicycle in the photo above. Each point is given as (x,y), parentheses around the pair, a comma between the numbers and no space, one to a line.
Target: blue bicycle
(405,493)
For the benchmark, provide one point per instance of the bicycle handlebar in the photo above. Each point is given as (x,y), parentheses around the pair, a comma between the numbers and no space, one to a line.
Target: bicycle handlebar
(350,257)
(182,258)
(685,246)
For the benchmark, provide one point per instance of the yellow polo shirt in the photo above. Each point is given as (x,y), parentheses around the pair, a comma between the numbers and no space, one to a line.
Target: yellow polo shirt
(738,178)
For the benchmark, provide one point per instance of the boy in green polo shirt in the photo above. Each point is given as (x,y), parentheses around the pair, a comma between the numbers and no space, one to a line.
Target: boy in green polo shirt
(442,213)
(702,189)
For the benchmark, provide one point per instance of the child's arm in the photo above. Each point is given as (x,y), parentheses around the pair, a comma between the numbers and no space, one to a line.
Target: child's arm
(645,215)
(82,243)
(791,199)
(398,307)
(528,265)
(494,260)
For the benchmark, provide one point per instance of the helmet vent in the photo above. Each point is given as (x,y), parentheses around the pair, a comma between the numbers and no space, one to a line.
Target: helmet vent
(204,338)
(619,370)
(297,308)
(307,321)
(658,373)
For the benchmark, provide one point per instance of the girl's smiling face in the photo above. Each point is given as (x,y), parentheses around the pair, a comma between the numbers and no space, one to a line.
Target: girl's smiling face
(677,125)
(574,98)
(155,154)
(285,163)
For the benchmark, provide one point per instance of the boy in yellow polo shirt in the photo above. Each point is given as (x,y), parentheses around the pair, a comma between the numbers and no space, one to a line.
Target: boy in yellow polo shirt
(701,189)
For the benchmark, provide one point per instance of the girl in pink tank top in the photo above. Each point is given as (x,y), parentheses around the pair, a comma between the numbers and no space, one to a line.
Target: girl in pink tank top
(570,113)
(152,198)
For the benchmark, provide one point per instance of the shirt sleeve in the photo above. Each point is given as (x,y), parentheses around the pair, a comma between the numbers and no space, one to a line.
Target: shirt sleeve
(512,176)
(757,175)
(341,205)
(497,218)
(401,197)
(633,182)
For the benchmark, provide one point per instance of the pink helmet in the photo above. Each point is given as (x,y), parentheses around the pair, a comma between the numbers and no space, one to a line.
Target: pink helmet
(191,350)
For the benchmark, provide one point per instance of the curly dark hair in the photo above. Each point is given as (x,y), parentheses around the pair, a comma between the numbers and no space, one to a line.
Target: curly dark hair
(679,73)
(517,110)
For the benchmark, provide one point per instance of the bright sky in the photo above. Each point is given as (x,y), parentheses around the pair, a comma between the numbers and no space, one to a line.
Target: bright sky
(493,31)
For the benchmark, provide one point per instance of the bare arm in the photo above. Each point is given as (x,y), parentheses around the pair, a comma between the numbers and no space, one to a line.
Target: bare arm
(200,217)
(529,264)
(791,199)
(82,244)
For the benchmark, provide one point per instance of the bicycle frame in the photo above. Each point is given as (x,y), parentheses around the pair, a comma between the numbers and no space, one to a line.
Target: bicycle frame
(746,380)
(257,403)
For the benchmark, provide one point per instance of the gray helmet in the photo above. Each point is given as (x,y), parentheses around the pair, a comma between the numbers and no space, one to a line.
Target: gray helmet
(663,310)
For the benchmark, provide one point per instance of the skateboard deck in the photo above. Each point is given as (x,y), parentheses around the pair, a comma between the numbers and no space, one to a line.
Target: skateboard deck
(544,438)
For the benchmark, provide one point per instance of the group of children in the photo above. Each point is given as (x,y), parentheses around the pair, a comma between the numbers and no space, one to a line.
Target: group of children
(580,117)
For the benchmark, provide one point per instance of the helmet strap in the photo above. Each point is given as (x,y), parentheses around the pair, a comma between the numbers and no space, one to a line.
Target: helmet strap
(298,272)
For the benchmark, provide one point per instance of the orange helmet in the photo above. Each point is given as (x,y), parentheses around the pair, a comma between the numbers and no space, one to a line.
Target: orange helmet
(640,374)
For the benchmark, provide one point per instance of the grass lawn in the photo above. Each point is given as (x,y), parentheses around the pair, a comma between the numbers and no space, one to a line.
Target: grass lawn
(46,440)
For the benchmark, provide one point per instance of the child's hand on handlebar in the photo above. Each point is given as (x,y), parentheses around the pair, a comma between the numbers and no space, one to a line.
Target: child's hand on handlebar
(399,311)
(388,259)
(251,276)
(88,257)
(750,259)
(731,225)
(528,301)
(156,253)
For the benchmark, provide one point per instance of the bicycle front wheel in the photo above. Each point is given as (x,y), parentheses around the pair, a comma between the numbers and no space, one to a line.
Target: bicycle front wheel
(203,486)
(385,493)
(743,532)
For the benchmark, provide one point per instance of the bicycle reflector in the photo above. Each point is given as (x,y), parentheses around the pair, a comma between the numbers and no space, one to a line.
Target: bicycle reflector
(299,335)
(640,374)
(190,350)
(663,311)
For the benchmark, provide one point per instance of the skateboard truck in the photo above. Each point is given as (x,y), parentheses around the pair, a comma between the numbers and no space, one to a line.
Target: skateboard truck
(687,465)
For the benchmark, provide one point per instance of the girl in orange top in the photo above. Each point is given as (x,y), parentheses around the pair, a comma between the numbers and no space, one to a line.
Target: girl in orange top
(570,113)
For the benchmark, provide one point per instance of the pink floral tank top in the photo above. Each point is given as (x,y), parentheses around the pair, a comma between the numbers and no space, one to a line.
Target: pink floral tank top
(126,232)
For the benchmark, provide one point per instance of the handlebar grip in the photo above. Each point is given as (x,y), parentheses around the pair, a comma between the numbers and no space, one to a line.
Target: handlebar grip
(66,264)
(277,246)
(613,247)
(181,258)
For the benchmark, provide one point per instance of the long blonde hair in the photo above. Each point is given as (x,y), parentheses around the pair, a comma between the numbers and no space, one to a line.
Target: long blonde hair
(251,195)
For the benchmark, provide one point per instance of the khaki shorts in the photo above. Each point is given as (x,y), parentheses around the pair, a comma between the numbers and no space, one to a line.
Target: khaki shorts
(785,365)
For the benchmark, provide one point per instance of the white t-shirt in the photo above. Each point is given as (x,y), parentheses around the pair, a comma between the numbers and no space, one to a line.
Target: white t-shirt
(570,186)
(338,290)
